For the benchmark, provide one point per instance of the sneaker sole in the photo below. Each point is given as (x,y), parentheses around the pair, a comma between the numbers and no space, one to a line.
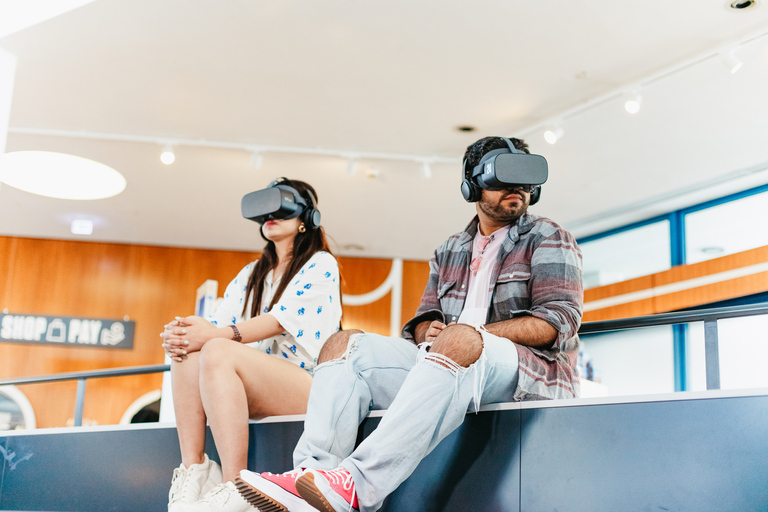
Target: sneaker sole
(307,489)
(257,498)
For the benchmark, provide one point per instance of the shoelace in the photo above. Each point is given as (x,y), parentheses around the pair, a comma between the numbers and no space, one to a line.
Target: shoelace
(341,477)
(178,483)
(297,472)
(218,495)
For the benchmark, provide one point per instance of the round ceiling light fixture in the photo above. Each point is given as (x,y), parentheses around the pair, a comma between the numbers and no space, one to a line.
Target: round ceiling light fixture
(60,175)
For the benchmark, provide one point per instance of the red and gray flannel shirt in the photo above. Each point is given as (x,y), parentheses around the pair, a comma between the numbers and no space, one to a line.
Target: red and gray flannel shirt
(537,273)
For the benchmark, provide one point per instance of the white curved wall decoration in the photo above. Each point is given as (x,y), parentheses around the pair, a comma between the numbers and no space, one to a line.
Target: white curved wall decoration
(15,394)
(393,283)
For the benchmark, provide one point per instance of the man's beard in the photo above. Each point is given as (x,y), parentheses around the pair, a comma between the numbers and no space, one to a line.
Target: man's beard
(505,214)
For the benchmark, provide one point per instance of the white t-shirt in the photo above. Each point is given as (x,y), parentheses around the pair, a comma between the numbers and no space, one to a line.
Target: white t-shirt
(309,309)
(476,304)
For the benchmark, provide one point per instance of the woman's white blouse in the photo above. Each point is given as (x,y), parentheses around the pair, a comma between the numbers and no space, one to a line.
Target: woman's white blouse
(309,309)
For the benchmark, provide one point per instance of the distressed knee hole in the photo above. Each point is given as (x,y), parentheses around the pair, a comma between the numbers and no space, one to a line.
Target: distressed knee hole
(461,344)
(337,346)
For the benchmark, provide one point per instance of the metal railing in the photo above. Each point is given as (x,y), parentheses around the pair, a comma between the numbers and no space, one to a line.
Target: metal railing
(81,377)
(710,318)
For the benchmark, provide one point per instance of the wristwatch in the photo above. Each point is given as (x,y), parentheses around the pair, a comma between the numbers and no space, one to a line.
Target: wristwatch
(237,337)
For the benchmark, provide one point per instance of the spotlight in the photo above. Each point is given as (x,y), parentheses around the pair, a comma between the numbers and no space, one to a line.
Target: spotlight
(426,169)
(553,134)
(167,156)
(633,103)
(731,61)
(351,166)
(256,159)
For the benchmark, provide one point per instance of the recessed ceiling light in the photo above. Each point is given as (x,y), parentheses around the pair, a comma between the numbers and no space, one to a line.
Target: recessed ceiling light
(82,227)
(60,175)
(466,128)
(743,4)
(712,250)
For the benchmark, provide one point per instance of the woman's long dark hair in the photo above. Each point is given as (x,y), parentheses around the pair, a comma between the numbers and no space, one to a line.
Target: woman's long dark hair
(305,245)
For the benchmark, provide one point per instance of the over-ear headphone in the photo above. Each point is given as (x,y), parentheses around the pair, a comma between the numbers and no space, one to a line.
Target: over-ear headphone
(310,215)
(472,192)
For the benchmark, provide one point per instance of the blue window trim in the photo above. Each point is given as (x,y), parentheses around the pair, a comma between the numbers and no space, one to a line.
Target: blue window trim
(681,213)
(676,220)
(725,199)
(621,229)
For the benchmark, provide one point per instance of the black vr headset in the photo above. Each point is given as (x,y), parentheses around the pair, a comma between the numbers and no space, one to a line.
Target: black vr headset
(502,169)
(279,201)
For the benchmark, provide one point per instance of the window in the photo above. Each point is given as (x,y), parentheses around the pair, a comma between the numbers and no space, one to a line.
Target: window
(633,362)
(727,228)
(742,348)
(625,255)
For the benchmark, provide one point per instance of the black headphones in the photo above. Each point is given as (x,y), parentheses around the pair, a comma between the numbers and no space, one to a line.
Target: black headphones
(472,192)
(309,215)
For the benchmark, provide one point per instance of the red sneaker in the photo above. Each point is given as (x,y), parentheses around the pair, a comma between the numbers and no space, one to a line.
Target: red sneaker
(321,488)
(271,492)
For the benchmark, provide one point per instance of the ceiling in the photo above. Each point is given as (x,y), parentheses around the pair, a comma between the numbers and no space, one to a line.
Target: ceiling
(114,80)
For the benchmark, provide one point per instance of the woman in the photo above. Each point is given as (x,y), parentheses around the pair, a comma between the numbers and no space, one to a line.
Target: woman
(284,305)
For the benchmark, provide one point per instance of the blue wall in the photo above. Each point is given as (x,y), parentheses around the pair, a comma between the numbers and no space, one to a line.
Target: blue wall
(697,455)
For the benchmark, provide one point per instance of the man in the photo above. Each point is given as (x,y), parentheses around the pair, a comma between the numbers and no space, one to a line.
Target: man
(497,323)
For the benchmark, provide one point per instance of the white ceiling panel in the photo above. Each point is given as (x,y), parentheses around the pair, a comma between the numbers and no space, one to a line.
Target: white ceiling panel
(395,77)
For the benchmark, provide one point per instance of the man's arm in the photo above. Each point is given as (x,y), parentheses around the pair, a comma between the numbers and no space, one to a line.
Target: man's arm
(525,330)
(556,288)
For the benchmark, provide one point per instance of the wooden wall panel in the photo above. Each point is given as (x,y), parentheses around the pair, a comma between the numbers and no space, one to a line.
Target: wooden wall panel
(629,310)
(730,289)
(363,275)
(415,277)
(612,290)
(148,284)
(685,286)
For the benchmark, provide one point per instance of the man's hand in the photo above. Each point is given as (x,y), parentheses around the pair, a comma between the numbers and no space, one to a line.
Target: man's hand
(427,331)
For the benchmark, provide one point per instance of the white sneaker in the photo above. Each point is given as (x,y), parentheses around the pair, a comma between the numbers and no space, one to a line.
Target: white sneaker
(189,484)
(222,498)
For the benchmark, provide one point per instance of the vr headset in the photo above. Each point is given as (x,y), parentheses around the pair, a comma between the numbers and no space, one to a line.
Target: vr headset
(502,169)
(280,201)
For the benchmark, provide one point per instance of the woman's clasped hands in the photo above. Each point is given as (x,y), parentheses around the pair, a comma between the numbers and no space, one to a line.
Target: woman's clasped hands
(186,334)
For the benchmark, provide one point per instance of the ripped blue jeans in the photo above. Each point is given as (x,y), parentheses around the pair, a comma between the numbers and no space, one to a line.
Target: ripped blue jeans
(425,401)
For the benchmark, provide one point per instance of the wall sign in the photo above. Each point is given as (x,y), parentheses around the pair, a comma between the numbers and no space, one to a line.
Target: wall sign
(66,331)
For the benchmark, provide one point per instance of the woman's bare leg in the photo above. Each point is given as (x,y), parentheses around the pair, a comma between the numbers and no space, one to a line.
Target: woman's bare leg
(237,383)
(188,406)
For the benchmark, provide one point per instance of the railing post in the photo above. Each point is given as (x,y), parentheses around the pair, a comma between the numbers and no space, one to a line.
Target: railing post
(712,355)
(79,402)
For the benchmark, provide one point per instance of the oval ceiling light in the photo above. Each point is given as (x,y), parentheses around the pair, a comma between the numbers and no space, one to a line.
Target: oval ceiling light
(60,175)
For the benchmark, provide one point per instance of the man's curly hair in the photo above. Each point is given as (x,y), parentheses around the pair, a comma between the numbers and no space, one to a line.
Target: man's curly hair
(476,151)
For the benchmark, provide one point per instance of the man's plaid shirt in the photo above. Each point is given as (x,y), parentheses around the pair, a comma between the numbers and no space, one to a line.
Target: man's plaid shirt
(537,273)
